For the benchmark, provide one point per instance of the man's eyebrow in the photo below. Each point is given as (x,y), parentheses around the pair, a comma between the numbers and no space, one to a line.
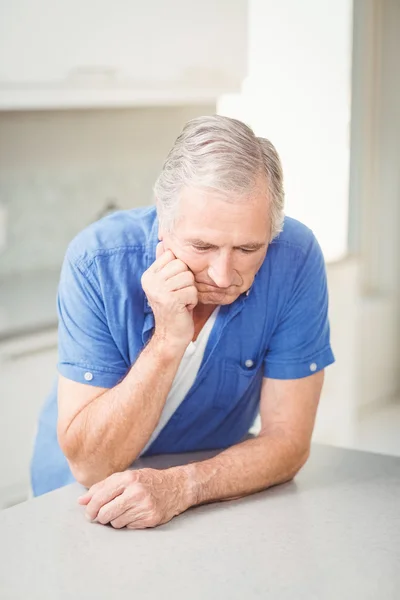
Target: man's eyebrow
(199,242)
(253,245)
(249,245)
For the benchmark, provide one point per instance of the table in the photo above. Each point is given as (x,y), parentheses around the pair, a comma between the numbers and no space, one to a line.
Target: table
(332,533)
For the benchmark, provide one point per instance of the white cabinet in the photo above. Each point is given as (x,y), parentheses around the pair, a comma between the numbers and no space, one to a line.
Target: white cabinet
(120,52)
(27,371)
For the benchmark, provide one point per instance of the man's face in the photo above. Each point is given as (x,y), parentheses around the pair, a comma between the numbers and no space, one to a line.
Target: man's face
(223,243)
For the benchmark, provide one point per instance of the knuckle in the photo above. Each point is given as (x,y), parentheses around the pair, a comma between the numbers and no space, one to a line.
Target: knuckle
(182,266)
(136,491)
(134,476)
(192,295)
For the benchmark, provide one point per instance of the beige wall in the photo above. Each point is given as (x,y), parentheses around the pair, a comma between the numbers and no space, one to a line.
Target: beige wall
(58,171)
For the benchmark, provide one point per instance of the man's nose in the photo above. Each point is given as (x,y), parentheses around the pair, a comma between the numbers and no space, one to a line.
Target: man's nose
(221,271)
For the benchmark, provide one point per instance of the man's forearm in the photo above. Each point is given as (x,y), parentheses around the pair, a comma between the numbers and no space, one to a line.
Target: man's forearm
(110,432)
(244,469)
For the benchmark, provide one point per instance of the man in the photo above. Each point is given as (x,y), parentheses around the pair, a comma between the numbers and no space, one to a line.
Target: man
(176,331)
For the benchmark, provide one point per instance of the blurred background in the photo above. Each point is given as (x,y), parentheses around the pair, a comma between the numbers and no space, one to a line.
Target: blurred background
(93,95)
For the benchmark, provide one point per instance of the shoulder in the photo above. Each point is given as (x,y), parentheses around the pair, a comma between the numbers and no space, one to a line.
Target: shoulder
(121,233)
(295,247)
(296,236)
(292,257)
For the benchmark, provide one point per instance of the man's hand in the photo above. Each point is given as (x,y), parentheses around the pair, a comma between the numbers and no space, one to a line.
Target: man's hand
(169,286)
(137,499)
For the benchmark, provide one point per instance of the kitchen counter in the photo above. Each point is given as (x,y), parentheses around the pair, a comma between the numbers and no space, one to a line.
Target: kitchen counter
(28,303)
(334,532)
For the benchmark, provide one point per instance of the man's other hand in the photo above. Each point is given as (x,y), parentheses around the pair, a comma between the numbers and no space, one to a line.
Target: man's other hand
(137,499)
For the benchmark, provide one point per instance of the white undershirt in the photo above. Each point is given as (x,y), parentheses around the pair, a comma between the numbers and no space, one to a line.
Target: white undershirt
(185,375)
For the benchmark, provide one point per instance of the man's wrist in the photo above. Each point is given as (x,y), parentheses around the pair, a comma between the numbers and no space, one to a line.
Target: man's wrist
(166,348)
(184,478)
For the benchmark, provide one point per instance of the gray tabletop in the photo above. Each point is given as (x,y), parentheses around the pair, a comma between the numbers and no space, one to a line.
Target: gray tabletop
(332,533)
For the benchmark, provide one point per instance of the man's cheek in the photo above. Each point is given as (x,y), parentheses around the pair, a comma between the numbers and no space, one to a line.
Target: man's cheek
(197,264)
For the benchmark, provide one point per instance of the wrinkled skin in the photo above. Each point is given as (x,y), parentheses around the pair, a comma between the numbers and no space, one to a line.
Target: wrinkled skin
(136,499)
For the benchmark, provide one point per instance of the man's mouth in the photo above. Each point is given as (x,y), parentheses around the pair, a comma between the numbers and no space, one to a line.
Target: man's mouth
(215,287)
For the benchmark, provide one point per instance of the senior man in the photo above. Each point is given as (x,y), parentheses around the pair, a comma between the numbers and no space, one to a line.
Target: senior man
(178,325)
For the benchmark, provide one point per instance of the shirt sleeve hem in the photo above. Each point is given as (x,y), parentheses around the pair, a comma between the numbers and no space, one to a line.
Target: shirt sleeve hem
(299,370)
(90,376)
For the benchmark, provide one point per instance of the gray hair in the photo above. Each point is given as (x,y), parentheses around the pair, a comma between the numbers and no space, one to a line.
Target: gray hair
(223,154)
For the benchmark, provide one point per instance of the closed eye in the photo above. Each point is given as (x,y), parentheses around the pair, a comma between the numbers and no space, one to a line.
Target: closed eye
(244,250)
(248,250)
(203,248)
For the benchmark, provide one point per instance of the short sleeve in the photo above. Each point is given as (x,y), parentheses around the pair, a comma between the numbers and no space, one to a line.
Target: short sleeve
(300,344)
(87,352)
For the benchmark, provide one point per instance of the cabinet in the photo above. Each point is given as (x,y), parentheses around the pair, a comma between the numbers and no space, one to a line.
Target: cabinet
(27,370)
(112,53)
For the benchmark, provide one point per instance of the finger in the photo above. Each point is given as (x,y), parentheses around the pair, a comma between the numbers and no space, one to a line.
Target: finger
(83,500)
(166,257)
(144,523)
(100,499)
(124,519)
(160,249)
(180,281)
(134,518)
(88,495)
(114,509)
(113,487)
(174,268)
(188,296)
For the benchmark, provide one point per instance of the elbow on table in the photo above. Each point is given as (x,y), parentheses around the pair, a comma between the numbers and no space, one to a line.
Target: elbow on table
(296,462)
(302,457)
(85,473)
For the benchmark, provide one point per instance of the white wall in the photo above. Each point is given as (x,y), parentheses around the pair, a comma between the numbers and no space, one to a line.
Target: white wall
(297,94)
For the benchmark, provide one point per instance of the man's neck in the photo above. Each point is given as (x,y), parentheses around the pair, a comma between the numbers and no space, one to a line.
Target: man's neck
(203,311)
(201,314)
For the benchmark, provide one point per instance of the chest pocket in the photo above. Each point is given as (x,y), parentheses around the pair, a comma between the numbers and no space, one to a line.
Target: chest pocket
(234,380)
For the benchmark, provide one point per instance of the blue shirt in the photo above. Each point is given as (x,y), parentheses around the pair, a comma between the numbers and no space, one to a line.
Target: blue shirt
(279,329)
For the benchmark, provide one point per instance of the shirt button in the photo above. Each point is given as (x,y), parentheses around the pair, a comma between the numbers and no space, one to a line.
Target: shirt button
(88,376)
(313,367)
(249,363)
